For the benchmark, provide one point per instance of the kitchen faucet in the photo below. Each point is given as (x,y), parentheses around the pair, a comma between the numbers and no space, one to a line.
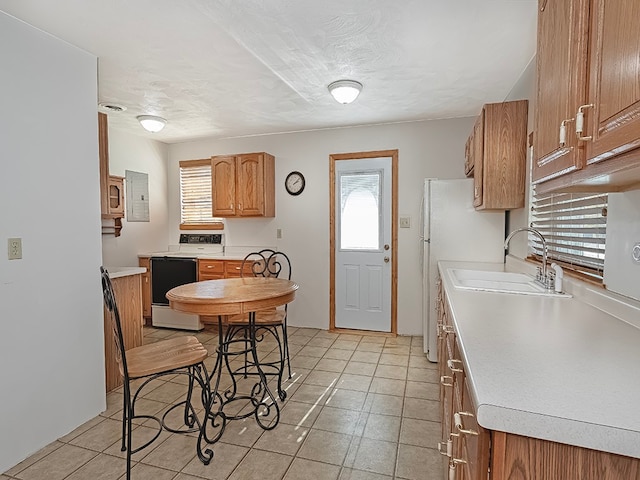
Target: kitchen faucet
(544,279)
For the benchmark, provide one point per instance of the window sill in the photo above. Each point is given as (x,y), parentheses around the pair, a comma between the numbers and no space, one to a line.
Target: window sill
(203,226)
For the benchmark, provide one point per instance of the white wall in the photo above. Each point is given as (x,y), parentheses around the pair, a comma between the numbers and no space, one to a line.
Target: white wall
(129,152)
(51,329)
(426,149)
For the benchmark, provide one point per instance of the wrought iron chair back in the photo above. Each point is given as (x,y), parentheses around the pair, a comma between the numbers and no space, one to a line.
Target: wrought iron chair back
(114,318)
(267,263)
(177,356)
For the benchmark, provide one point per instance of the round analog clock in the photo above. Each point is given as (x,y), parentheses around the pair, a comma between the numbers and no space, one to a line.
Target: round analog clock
(294,183)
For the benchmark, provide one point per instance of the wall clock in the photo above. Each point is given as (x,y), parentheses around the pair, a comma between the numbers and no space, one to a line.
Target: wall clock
(294,183)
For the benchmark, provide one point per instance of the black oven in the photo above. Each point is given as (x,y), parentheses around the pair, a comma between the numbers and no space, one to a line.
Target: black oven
(170,272)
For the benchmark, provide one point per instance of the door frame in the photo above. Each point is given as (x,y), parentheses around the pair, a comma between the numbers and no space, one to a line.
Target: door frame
(333,158)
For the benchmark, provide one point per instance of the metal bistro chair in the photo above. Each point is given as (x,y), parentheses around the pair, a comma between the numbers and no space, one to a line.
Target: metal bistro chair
(181,355)
(265,263)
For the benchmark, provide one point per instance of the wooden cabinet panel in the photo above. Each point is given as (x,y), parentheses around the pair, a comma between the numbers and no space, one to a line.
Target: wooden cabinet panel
(215,269)
(476,147)
(116,196)
(498,147)
(250,185)
(223,183)
(233,269)
(588,56)
(560,87)
(243,185)
(210,269)
(515,456)
(614,81)
(128,293)
(146,286)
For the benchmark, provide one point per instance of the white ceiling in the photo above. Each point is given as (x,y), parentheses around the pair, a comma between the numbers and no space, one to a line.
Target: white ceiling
(220,68)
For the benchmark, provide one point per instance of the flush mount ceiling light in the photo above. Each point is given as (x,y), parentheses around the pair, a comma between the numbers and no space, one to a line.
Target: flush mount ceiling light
(345,91)
(151,123)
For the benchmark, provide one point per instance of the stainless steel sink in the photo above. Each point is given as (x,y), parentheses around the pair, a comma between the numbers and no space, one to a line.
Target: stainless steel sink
(501,282)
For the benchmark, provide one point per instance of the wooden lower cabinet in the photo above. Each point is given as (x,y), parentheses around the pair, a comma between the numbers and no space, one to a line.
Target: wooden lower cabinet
(215,269)
(128,293)
(471,452)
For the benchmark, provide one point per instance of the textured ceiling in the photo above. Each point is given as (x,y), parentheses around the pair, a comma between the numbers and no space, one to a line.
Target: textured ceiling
(228,67)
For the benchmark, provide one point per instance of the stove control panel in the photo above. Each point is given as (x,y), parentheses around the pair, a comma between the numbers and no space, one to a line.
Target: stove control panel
(200,239)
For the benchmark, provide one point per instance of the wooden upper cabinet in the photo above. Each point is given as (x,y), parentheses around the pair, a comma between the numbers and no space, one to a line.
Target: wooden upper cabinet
(588,66)
(560,87)
(498,145)
(223,183)
(614,80)
(476,152)
(111,186)
(243,185)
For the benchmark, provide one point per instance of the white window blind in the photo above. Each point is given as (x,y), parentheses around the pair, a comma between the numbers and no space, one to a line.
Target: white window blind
(195,194)
(574,226)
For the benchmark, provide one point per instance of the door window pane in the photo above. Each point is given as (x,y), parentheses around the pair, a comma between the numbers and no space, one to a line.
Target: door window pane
(360,202)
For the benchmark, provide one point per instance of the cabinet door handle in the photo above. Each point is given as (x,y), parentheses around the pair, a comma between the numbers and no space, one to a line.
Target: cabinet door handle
(446,381)
(448,329)
(451,362)
(562,137)
(580,122)
(457,420)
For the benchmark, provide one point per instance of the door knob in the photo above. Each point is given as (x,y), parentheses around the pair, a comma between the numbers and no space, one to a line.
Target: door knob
(386,259)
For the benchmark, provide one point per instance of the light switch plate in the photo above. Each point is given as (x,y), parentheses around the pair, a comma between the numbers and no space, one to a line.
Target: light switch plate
(15,248)
(405,222)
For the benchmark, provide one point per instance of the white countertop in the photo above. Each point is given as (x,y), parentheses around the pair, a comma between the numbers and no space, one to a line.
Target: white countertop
(551,368)
(117,272)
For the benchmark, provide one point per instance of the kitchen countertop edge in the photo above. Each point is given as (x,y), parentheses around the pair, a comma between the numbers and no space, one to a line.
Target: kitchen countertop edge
(119,272)
(498,377)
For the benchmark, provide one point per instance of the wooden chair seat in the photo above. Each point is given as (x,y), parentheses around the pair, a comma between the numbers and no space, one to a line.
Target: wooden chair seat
(164,355)
(272,316)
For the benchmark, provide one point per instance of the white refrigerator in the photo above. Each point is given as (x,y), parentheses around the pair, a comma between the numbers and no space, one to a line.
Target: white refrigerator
(453,230)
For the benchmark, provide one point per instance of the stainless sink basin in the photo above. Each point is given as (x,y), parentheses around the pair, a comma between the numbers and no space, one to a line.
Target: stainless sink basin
(501,282)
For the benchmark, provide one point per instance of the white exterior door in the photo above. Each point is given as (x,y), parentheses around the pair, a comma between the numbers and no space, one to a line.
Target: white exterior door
(363,201)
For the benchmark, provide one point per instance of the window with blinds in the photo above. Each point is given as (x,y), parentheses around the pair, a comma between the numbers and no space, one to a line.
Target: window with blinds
(574,226)
(195,196)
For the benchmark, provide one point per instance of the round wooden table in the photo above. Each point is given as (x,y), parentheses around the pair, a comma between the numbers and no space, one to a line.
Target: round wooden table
(234,296)
(231,296)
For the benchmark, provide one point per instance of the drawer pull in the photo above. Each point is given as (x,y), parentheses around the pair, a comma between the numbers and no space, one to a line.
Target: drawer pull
(448,329)
(451,364)
(446,381)
(457,420)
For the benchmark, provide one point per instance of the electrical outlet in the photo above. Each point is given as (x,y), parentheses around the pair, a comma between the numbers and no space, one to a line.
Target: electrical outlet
(279,233)
(405,222)
(15,248)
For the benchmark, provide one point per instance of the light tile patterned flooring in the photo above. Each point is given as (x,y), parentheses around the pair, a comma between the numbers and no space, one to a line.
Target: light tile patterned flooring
(358,408)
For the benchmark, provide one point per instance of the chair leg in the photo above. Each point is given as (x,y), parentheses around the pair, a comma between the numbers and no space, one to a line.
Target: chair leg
(285,341)
(129,444)
(125,408)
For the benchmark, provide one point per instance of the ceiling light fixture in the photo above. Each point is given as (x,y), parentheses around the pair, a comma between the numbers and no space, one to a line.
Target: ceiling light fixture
(345,91)
(151,123)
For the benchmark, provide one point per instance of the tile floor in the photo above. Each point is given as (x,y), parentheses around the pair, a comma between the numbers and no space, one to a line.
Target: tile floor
(358,408)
